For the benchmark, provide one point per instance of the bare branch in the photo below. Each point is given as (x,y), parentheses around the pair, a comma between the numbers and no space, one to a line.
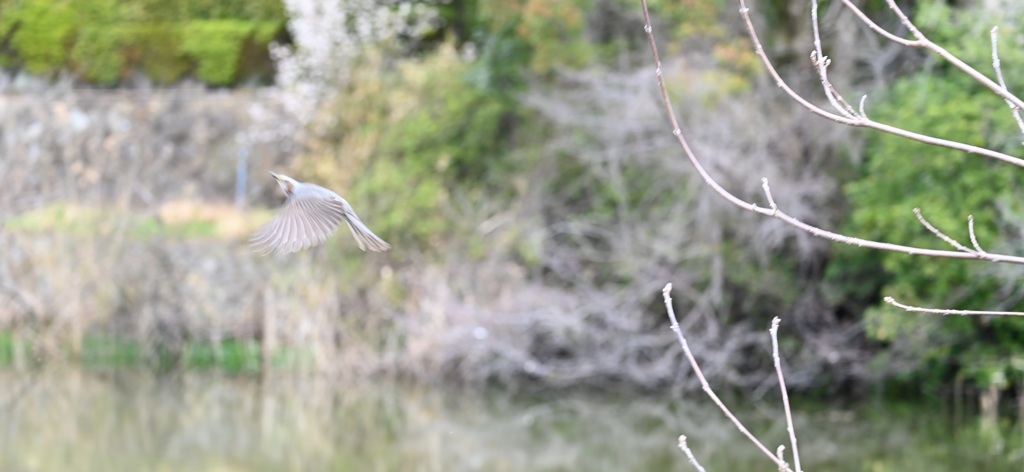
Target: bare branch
(906,21)
(774,330)
(939,311)
(878,29)
(689,454)
(781,215)
(821,61)
(924,43)
(999,75)
(862,121)
(700,375)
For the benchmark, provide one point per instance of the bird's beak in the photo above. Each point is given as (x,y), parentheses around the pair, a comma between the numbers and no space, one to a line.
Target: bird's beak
(272,174)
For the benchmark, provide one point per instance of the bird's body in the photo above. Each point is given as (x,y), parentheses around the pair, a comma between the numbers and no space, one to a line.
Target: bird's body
(311,215)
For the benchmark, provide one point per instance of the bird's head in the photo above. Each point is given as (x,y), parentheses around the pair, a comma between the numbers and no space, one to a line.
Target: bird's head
(287,184)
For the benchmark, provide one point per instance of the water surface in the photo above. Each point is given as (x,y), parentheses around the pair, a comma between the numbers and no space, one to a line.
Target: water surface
(63,420)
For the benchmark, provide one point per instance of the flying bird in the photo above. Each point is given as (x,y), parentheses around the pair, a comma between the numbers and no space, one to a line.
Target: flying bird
(310,216)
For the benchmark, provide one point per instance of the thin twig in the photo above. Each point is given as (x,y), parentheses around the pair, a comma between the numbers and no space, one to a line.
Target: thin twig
(942,311)
(704,382)
(924,43)
(861,121)
(777,213)
(974,237)
(906,21)
(821,62)
(999,76)
(940,234)
(689,454)
(774,330)
(780,452)
(878,29)
(768,194)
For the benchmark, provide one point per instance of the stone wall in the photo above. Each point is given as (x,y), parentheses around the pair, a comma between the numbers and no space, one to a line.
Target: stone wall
(131,147)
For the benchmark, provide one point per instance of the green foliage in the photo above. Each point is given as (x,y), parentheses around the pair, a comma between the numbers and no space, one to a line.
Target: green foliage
(551,33)
(555,30)
(548,35)
(216,46)
(40,31)
(95,53)
(220,9)
(156,48)
(416,135)
(688,18)
(947,186)
(105,40)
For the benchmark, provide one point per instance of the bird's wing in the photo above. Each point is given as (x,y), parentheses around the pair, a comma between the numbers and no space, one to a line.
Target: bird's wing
(304,221)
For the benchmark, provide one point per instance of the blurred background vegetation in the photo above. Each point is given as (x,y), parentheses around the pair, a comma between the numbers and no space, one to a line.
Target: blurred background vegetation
(103,42)
(514,154)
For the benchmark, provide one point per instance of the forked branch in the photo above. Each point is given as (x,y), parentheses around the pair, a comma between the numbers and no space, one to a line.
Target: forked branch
(785,395)
(997,66)
(847,115)
(776,458)
(921,41)
(858,120)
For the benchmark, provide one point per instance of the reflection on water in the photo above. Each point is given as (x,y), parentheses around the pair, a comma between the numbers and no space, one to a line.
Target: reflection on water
(73,420)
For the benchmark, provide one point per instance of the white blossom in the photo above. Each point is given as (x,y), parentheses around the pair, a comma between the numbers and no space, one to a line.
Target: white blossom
(328,35)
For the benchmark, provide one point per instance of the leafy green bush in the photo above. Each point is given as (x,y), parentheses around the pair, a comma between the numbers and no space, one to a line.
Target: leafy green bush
(947,185)
(416,135)
(97,56)
(216,46)
(156,49)
(40,32)
(105,40)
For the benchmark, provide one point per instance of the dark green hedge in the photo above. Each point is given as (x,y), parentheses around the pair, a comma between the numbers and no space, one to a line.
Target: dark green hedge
(104,41)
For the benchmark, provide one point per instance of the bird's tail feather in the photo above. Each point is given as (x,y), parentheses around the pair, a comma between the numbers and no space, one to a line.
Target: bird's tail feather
(364,237)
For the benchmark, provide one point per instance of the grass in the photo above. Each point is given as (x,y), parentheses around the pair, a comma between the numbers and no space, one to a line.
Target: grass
(229,356)
(179,220)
